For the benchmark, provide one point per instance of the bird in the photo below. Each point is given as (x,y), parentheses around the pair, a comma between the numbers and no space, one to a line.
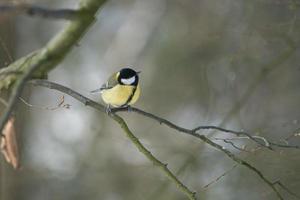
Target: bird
(122,89)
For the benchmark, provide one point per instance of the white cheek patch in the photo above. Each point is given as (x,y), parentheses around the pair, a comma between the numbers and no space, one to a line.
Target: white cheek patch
(128,81)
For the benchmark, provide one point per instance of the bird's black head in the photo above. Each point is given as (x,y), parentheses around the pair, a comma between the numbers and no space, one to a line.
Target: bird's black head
(128,76)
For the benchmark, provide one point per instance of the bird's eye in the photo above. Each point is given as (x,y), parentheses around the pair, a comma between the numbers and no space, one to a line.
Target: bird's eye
(128,81)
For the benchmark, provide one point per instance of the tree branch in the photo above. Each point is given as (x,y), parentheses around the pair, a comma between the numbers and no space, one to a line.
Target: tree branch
(278,182)
(36,11)
(58,47)
(260,141)
(194,132)
(20,84)
(151,157)
(123,125)
(91,103)
(48,57)
(267,69)
(219,177)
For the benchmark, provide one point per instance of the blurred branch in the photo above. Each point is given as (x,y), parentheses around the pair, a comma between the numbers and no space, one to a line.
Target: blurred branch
(58,47)
(192,132)
(161,188)
(151,157)
(5,48)
(267,69)
(258,139)
(122,123)
(278,182)
(36,11)
(3,74)
(228,141)
(219,177)
(295,133)
(18,88)
(43,60)
(3,102)
(60,104)
(268,143)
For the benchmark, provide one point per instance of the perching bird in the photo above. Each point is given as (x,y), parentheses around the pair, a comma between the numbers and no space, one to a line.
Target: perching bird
(122,88)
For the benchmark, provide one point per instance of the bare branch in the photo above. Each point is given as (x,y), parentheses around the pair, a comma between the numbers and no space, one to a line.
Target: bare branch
(60,104)
(219,177)
(3,102)
(259,140)
(228,141)
(5,48)
(122,123)
(3,74)
(268,68)
(278,182)
(48,57)
(151,157)
(58,47)
(36,11)
(16,93)
(91,103)
(295,133)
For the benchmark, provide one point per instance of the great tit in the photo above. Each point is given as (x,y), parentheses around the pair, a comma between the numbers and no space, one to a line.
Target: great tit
(122,89)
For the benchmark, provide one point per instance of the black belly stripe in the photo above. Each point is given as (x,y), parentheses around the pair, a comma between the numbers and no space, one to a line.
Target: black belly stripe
(129,98)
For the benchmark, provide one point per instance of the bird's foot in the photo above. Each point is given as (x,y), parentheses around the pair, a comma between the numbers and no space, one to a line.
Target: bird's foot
(108,109)
(129,108)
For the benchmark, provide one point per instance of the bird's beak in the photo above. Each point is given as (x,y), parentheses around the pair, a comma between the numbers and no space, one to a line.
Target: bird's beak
(138,72)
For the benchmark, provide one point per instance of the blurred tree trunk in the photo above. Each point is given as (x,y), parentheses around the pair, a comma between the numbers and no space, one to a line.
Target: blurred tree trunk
(7,49)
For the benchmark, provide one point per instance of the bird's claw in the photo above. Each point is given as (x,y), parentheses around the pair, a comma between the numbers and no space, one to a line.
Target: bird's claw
(108,109)
(129,108)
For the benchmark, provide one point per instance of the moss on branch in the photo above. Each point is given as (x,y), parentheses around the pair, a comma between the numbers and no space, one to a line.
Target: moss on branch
(56,49)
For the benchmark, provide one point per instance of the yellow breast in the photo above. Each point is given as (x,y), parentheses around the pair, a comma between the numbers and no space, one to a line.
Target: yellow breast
(120,94)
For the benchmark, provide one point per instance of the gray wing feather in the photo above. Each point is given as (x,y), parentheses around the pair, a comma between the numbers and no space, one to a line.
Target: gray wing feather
(112,82)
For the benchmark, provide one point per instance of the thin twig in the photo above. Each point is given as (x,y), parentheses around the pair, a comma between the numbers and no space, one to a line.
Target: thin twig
(296,133)
(5,48)
(60,45)
(49,56)
(219,177)
(36,11)
(288,146)
(228,141)
(3,102)
(8,72)
(61,104)
(91,103)
(278,182)
(273,65)
(260,140)
(16,91)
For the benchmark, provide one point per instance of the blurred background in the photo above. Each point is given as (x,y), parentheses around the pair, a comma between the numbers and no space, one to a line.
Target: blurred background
(204,62)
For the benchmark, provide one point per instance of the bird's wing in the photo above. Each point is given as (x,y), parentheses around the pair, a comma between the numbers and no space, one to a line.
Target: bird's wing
(111,82)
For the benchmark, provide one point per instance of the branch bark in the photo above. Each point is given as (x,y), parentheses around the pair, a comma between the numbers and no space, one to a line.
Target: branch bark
(37,11)
(42,61)
(57,48)
(88,102)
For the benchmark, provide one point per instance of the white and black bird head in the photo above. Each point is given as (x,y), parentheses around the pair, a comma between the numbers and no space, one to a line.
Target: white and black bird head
(128,76)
